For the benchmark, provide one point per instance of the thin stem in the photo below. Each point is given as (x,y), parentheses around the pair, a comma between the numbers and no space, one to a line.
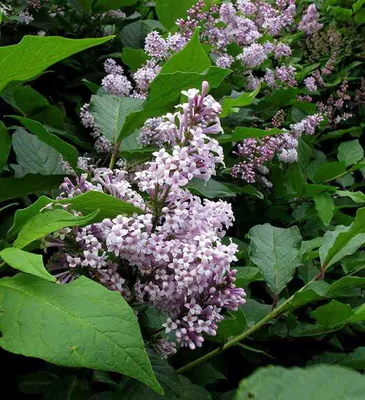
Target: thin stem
(113,158)
(273,314)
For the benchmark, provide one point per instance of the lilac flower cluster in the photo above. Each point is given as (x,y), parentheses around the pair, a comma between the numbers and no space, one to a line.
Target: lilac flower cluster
(171,256)
(254,154)
(309,23)
(244,24)
(337,107)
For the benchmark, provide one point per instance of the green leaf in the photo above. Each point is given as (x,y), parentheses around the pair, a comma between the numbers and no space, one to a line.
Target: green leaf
(26,262)
(68,152)
(344,241)
(26,100)
(192,58)
(47,222)
(110,113)
(332,314)
(357,197)
(254,311)
(242,100)
(134,34)
(241,133)
(358,5)
(325,207)
(34,54)
(315,382)
(212,189)
(165,92)
(347,282)
(110,206)
(68,387)
(276,253)
(205,375)
(36,382)
(77,322)
(304,155)
(134,58)
(354,360)
(359,314)
(168,13)
(12,188)
(329,171)
(350,152)
(360,17)
(100,6)
(315,291)
(5,145)
(34,156)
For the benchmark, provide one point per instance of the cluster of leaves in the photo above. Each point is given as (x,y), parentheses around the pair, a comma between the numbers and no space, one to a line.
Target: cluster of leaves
(301,258)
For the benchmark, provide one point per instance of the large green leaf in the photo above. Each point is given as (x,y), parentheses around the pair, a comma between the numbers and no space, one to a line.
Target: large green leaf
(355,360)
(5,145)
(192,58)
(357,197)
(47,222)
(325,207)
(34,156)
(276,253)
(344,241)
(332,314)
(110,113)
(68,152)
(81,324)
(110,206)
(320,382)
(168,13)
(26,262)
(85,203)
(26,100)
(350,152)
(329,171)
(12,188)
(34,54)
(165,92)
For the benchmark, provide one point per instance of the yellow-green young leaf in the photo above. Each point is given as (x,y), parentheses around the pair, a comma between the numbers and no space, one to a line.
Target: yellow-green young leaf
(192,58)
(276,252)
(344,241)
(316,383)
(359,314)
(240,100)
(325,207)
(34,54)
(81,324)
(47,222)
(357,197)
(26,262)
(5,145)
